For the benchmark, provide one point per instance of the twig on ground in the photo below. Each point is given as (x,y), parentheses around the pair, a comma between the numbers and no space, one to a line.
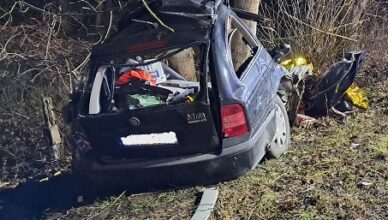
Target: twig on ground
(108,207)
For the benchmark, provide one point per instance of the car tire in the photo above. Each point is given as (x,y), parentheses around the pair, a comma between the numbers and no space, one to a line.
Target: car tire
(281,140)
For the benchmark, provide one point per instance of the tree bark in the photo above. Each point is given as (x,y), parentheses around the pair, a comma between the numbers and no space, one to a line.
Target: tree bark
(184,64)
(239,49)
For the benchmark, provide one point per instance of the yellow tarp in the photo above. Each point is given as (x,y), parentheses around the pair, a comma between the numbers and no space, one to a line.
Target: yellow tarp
(357,97)
(291,63)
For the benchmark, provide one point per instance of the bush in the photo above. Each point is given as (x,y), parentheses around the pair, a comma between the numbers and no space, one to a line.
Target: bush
(321,30)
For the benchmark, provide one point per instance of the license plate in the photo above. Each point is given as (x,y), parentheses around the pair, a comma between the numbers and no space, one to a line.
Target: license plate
(150,139)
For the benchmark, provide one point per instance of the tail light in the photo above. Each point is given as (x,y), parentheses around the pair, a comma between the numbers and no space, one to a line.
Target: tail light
(234,122)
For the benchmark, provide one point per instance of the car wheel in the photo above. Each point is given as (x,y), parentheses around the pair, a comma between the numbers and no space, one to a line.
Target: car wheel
(281,140)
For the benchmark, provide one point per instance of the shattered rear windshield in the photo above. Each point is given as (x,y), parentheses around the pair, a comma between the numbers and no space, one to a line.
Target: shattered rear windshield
(153,79)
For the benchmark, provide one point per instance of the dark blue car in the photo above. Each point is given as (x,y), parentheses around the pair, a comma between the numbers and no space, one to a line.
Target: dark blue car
(137,121)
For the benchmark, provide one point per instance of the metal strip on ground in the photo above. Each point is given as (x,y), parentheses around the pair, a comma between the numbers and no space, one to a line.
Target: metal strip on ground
(206,205)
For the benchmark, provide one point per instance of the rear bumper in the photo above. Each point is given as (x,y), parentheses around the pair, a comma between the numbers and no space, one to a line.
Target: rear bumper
(138,175)
(194,170)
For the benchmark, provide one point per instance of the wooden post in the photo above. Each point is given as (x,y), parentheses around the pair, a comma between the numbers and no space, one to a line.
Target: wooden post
(56,142)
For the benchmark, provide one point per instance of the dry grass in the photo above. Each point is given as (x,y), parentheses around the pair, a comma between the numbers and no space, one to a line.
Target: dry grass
(321,30)
(376,40)
(35,61)
(321,177)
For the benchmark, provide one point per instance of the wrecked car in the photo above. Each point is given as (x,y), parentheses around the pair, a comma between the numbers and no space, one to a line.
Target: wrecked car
(136,119)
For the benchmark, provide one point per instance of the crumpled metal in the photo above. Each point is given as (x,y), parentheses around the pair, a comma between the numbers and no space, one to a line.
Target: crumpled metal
(293,83)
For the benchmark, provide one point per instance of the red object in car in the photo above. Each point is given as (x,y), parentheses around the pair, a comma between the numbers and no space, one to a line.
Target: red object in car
(234,122)
(136,74)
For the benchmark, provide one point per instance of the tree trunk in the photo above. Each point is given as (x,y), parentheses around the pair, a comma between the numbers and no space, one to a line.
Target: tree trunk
(239,50)
(183,63)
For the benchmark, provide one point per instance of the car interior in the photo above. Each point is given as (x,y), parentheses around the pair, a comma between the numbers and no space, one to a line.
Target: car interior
(145,81)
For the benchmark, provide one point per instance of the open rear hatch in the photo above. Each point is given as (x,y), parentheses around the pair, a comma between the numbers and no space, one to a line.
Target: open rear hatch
(145,109)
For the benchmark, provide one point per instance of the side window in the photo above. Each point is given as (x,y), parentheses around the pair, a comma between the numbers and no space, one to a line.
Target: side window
(241,45)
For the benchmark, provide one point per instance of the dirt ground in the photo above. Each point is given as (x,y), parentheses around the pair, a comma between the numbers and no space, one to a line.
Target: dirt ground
(333,170)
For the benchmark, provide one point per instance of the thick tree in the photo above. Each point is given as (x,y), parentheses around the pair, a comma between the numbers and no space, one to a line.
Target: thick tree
(240,53)
(184,62)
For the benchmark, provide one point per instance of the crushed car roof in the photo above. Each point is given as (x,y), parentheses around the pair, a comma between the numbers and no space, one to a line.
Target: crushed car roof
(140,31)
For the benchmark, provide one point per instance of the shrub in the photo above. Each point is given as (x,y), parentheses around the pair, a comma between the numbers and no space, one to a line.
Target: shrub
(321,30)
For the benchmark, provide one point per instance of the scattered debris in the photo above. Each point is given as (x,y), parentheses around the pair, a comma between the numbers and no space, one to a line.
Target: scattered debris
(4,184)
(44,180)
(58,173)
(315,95)
(293,84)
(206,205)
(305,121)
(366,182)
(341,115)
(354,145)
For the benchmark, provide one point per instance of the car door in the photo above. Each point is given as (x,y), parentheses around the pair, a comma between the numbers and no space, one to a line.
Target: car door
(253,73)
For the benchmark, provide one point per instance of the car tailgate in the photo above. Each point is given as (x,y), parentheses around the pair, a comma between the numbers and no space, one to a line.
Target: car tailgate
(191,123)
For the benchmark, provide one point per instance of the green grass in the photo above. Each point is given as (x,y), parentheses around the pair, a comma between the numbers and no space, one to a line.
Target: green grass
(381,147)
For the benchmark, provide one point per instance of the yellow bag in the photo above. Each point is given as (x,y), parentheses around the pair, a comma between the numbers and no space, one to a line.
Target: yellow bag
(357,97)
(298,61)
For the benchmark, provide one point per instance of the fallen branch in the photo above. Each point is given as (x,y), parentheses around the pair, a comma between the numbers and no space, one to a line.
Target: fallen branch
(98,215)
